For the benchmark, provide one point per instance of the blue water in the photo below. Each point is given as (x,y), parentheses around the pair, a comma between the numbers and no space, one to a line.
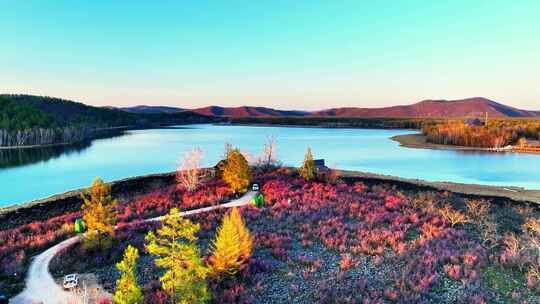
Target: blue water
(158,150)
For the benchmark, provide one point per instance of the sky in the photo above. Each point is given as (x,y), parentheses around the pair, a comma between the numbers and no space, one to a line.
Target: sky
(283,54)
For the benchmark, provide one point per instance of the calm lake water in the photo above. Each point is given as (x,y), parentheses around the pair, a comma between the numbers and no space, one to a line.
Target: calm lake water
(38,173)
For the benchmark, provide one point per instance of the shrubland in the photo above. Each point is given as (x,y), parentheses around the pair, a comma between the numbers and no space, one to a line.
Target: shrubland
(348,242)
(326,239)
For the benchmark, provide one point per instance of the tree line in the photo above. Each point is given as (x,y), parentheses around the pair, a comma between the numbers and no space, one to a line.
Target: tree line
(497,133)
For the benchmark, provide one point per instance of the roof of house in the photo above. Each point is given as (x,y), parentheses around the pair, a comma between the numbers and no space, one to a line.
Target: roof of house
(319,162)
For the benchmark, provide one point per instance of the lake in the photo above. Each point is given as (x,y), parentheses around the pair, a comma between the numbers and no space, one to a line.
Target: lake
(37,173)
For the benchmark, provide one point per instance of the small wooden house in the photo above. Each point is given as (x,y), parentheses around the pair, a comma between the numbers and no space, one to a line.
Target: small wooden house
(320,165)
(474,122)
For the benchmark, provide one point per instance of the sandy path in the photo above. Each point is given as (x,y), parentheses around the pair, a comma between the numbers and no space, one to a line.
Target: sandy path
(40,285)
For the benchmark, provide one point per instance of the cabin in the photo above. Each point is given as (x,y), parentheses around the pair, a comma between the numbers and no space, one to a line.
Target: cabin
(474,122)
(320,166)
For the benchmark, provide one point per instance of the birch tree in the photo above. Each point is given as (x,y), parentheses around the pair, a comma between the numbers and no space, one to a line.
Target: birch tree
(188,173)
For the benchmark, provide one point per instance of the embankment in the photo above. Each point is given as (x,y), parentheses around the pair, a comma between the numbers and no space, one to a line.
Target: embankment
(419,141)
(128,188)
(71,201)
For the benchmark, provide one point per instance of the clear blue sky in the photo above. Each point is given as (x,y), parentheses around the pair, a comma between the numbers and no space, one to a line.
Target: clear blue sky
(285,54)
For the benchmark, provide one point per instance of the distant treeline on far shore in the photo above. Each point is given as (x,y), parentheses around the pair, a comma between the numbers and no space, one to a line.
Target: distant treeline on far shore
(337,122)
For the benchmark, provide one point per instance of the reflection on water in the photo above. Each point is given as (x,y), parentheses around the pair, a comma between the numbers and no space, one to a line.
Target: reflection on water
(20,157)
(43,172)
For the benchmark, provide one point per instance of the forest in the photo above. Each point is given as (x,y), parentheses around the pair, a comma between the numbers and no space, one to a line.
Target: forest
(337,122)
(35,120)
(498,133)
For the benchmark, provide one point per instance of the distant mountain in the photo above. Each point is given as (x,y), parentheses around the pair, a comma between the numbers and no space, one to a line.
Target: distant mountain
(151,109)
(476,106)
(246,111)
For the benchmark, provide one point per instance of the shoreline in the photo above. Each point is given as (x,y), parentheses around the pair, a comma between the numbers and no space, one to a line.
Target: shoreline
(98,134)
(418,141)
(95,134)
(130,187)
(264,125)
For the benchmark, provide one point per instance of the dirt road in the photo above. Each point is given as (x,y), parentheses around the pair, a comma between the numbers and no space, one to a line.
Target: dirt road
(40,285)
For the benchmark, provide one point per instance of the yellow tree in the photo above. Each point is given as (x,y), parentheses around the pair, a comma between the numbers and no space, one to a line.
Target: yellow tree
(245,241)
(98,214)
(174,244)
(237,173)
(233,245)
(307,171)
(127,290)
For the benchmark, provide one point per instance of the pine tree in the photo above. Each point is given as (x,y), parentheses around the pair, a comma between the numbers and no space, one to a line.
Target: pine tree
(232,246)
(307,171)
(174,244)
(237,173)
(244,236)
(127,290)
(98,214)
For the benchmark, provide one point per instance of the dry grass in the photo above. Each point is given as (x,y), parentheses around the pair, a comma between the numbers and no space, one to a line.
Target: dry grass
(477,210)
(532,225)
(454,217)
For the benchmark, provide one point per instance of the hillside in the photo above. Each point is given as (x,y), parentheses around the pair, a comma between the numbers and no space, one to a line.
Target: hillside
(143,109)
(476,106)
(67,112)
(246,111)
(27,120)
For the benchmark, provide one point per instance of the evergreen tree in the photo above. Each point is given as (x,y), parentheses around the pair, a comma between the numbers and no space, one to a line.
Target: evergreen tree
(127,290)
(237,173)
(174,244)
(307,171)
(233,245)
(245,241)
(98,214)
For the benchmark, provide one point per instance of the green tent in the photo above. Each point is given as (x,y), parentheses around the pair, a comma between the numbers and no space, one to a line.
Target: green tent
(258,200)
(79,226)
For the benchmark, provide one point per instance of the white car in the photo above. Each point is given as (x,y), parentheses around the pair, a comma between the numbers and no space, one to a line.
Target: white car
(71,281)
(255,187)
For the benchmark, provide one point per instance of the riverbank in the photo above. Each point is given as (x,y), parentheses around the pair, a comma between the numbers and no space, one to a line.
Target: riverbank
(88,136)
(129,188)
(515,194)
(419,141)
(318,126)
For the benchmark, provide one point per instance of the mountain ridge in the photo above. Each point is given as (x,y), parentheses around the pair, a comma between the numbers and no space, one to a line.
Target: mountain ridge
(474,106)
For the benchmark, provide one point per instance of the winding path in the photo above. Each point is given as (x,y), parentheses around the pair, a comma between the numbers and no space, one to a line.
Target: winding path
(40,285)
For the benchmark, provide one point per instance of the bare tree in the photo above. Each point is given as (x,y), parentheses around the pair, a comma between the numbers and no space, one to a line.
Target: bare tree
(268,157)
(227,148)
(188,172)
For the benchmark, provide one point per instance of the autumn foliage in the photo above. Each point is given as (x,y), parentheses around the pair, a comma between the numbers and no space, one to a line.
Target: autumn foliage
(307,171)
(237,173)
(174,245)
(498,133)
(233,245)
(99,214)
(189,171)
(127,290)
